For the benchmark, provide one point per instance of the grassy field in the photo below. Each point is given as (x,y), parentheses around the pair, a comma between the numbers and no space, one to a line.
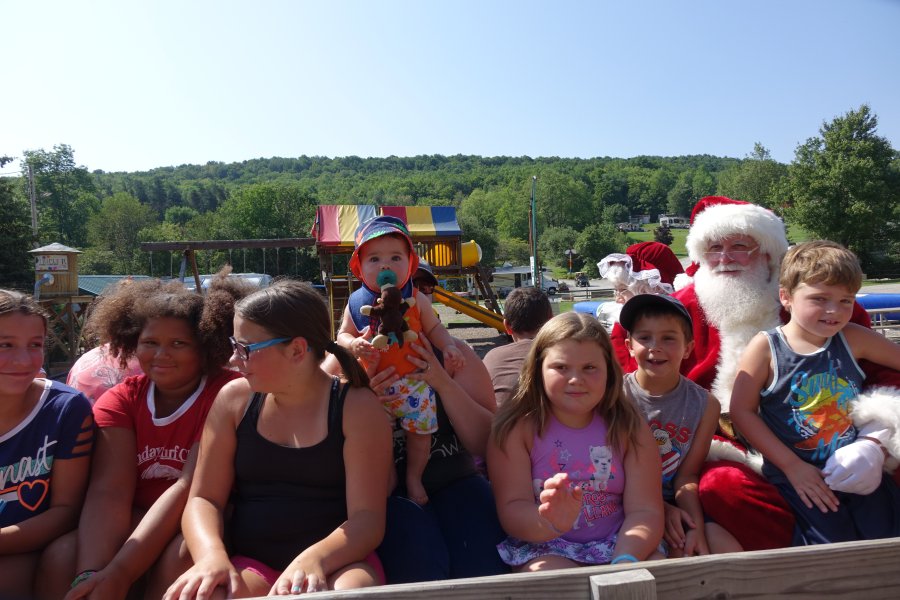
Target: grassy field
(678,235)
(795,234)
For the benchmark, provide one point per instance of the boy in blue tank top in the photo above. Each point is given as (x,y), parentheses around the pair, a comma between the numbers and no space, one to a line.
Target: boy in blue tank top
(793,397)
(682,416)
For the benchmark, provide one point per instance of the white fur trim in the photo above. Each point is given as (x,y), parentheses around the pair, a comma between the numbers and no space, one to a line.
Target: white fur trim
(722,220)
(719,450)
(682,280)
(881,405)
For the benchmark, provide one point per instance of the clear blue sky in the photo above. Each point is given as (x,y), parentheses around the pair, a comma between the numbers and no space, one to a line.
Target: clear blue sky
(133,85)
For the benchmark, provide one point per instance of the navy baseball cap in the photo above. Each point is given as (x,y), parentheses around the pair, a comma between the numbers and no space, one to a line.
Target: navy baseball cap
(425,272)
(642,303)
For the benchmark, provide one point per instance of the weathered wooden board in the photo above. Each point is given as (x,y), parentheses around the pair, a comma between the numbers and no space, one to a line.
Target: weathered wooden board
(866,570)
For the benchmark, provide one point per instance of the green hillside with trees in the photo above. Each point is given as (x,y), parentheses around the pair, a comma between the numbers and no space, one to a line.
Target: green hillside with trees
(843,184)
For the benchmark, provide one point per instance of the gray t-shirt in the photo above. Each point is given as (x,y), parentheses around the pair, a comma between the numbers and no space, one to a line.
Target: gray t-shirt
(673,418)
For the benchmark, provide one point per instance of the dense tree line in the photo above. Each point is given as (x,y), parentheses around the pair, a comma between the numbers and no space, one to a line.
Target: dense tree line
(15,231)
(843,184)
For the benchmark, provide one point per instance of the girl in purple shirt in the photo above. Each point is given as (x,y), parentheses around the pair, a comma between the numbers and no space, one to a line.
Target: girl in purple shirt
(575,471)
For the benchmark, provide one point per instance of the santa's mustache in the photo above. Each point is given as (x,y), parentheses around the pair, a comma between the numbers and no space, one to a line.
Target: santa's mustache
(732,268)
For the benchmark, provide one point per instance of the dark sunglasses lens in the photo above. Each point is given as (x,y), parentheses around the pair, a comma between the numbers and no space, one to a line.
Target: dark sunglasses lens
(239,349)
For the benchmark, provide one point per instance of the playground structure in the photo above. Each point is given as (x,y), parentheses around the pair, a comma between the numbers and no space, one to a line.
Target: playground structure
(470,309)
(436,237)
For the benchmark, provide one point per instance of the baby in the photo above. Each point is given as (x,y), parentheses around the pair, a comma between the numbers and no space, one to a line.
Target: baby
(384,255)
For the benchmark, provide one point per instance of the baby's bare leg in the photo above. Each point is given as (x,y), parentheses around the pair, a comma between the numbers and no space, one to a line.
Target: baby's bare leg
(418,447)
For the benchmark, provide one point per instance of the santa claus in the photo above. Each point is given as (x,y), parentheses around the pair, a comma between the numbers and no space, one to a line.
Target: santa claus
(736,249)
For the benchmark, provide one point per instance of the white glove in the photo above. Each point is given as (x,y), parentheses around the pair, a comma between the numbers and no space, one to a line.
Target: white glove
(855,468)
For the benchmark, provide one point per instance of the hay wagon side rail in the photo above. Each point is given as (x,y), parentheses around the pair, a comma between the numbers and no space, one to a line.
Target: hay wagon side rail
(847,570)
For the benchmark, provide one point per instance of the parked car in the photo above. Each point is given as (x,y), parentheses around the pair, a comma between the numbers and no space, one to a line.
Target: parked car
(582,280)
(505,279)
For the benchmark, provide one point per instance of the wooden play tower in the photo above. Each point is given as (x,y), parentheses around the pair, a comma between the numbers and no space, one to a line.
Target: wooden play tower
(56,289)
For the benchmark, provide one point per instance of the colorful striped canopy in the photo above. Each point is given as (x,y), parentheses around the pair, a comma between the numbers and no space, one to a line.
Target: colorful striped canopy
(336,224)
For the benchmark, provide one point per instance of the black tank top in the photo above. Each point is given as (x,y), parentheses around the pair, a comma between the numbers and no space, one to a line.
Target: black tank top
(287,499)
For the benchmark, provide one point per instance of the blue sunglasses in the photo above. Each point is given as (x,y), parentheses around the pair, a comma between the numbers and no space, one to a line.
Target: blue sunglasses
(243,350)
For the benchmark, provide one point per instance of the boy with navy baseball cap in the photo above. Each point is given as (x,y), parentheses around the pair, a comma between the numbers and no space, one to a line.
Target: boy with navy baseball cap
(682,416)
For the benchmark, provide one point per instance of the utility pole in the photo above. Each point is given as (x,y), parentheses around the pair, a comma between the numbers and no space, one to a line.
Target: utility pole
(532,235)
(33,195)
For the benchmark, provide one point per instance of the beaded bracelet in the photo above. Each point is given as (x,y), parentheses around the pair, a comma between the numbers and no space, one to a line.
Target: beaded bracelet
(624,558)
(83,576)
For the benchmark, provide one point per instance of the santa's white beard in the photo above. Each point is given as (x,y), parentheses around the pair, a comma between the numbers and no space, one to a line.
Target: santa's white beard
(739,306)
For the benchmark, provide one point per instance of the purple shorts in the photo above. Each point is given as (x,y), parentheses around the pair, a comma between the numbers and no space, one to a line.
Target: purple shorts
(270,575)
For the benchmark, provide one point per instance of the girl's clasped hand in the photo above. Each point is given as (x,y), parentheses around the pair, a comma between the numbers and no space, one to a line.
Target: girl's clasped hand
(560,502)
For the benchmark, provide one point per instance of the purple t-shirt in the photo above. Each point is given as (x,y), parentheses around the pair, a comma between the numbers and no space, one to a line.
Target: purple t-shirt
(591,462)
(59,427)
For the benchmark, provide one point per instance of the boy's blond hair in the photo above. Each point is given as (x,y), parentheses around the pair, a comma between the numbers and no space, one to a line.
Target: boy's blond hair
(820,261)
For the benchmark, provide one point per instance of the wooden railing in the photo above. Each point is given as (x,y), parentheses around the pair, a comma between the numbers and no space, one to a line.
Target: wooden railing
(582,294)
(866,570)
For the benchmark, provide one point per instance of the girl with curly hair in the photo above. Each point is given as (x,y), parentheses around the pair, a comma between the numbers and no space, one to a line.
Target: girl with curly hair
(149,431)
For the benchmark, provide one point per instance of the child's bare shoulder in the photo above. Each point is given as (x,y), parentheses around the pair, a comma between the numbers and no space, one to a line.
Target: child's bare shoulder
(855,331)
(758,347)
(524,432)
(361,396)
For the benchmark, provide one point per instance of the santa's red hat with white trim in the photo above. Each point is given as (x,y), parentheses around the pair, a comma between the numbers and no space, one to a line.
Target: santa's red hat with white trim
(655,255)
(717,217)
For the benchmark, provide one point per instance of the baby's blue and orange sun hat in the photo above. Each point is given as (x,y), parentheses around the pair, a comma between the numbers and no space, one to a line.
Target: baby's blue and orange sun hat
(377,227)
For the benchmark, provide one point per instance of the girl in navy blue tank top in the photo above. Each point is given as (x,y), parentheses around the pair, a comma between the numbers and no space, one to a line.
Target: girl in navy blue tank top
(303,458)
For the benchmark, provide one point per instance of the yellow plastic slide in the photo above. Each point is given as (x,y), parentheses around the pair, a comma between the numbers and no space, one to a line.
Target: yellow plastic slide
(469,308)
